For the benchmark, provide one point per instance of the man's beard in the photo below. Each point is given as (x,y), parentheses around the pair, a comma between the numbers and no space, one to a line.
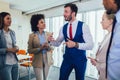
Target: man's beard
(68,18)
(110,12)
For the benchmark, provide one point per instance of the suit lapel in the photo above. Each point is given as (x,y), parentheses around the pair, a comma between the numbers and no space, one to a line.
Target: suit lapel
(36,40)
(3,39)
(13,38)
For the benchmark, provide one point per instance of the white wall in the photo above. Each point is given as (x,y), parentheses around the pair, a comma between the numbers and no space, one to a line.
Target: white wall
(21,26)
(4,6)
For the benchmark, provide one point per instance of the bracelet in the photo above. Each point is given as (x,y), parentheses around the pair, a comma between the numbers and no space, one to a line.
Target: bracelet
(48,41)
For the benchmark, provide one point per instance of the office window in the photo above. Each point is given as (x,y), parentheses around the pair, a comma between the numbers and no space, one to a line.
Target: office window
(79,16)
(58,51)
(47,24)
(100,32)
(93,19)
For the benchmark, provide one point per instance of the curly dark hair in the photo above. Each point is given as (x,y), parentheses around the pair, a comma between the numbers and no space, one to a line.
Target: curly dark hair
(73,7)
(118,3)
(34,21)
(2,16)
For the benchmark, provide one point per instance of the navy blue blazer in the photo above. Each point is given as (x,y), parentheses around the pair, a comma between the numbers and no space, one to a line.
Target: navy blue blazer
(3,46)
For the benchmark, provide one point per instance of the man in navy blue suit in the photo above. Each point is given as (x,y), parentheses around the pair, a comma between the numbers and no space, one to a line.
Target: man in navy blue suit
(78,39)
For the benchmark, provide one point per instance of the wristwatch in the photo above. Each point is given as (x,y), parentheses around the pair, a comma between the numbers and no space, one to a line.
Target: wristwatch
(76,45)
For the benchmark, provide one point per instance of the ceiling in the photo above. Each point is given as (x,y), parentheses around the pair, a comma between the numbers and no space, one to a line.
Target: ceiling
(29,6)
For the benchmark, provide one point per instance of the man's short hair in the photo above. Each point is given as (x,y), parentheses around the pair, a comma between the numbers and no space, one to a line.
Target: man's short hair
(73,7)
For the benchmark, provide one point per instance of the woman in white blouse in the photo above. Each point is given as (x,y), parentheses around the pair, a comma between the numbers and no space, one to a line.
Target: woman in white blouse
(8,49)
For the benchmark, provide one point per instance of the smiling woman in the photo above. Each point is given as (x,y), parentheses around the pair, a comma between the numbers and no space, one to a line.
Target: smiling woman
(8,49)
(38,45)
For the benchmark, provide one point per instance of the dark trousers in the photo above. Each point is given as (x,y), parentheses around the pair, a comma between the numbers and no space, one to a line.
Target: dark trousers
(67,67)
(9,72)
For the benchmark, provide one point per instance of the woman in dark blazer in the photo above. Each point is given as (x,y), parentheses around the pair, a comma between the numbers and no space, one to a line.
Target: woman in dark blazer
(8,49)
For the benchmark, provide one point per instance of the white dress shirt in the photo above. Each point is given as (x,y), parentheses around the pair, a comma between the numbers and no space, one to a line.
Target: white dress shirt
(10,57)
(86,36)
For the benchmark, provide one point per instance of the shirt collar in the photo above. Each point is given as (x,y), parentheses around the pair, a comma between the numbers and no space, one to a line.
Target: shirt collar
(118,16)
(39,33)
(74,22)
(6,32)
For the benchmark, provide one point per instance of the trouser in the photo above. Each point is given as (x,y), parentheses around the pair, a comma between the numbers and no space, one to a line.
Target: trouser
(67,67)
(39,71)
(9,72)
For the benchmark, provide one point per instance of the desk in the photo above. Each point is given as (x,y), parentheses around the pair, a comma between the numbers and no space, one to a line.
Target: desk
(22,57)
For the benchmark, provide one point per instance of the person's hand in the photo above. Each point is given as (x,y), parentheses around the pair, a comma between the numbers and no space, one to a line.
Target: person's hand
(12,50)
(45,45)
(50,37)
(70,43)
(17,48)
(93,61)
